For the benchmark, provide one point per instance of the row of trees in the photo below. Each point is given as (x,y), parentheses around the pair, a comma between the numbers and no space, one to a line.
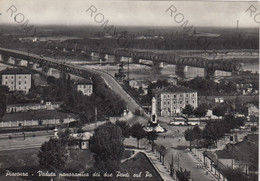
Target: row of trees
(207,87)
(214,130)
(3,97)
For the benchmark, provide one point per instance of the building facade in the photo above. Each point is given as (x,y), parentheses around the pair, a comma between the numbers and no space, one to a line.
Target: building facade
(16,79)
(12,108)
(85,86)
(172,100)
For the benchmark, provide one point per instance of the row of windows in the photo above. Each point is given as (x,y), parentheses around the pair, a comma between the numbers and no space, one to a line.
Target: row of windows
(85,86)
(19,88)
(13,83)
(6,77)
(174,102)
(174,95)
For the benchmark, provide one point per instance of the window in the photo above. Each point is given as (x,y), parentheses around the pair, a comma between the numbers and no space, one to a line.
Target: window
(25,82)
(164,96)
(174,107)
(187,95)
(174,102)
(25,77)
(12,77)
(187,102)
(6,77)
(180,102)
(168,102)
(193,95)
(168,96)
(19,83)
(19,76)
(193,101)
(180,95)
(174,96)
(11,82)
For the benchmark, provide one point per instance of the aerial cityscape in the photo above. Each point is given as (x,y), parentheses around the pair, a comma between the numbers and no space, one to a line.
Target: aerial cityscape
(129,90)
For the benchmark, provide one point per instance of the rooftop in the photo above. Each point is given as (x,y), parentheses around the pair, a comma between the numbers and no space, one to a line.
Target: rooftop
(14,71)
(172,89)
(84,81)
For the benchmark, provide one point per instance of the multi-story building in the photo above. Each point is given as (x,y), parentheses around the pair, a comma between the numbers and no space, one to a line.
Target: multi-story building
(171,100)
(16,79)
(85,86)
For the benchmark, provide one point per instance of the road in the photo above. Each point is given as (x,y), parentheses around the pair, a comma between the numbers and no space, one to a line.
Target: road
(178,151)
(109,79)
(173,139)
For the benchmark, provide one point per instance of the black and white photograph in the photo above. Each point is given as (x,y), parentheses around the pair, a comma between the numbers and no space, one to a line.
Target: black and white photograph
(129,90)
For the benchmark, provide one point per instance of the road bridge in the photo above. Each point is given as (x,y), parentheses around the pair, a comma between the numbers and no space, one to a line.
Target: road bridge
(48,63)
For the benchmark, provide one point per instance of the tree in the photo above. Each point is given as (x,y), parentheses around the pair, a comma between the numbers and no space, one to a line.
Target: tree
(219,111)
(125,128)
(151,136)
(53,155)
(64,136)
(183,175)
(197,133)
(137,132)
(3,98)
(200,111)
(188,110)
(253,129)
(213,131)
(107,146)
(188,134)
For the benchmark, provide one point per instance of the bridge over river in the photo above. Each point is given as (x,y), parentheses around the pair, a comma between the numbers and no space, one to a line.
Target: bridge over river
(17,57)
(155,59)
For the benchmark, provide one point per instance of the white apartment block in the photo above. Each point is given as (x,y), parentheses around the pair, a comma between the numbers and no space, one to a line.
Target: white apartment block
(85,86)
(17,79)
(172,100)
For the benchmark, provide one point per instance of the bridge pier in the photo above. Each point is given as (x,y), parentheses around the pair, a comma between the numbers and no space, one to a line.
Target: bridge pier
(126,59)
(209,73)
(161,65)
(95,56)
(18,61)
(4,58)
(11,60)
(103,57)
(180,70)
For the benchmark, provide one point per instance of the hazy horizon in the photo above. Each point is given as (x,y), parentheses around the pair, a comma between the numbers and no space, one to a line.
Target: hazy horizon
(130,13)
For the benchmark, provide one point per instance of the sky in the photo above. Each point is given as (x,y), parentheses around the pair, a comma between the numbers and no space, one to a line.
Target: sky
(134,13)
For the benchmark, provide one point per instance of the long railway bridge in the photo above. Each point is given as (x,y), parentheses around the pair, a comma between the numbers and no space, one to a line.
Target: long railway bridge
(154,59)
